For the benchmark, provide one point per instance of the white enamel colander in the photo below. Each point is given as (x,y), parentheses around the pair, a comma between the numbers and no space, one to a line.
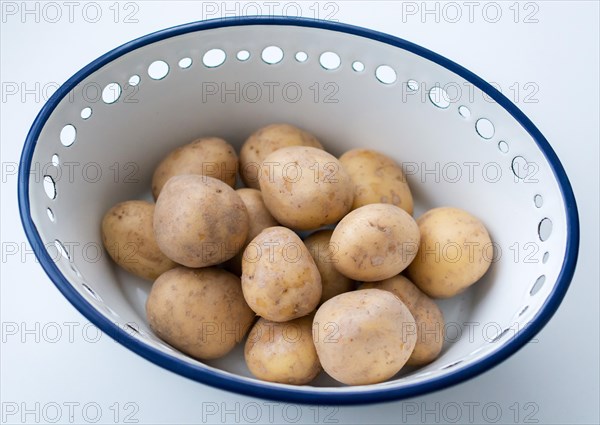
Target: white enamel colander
(462,143)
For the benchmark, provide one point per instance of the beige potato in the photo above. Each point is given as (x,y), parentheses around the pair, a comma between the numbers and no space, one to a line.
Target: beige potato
(259,219)
(377,179)
(207,156)
(200,312)
(267,140)
(282,352)
(305,188)
(128,237)
(375,242)
(364,337)
(455,252)
(199,221)
(280,280)
(323,251)
(427,315)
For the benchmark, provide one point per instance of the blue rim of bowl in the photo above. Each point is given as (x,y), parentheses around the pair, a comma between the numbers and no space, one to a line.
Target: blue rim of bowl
(289,393)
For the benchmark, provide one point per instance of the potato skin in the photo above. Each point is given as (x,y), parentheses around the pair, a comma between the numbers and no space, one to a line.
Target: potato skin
(267,140)
(206,156)
(364,337)
(280,280)
(375,242)
(259,219)
(455,252)
(333,282)
(199,221)
(377,179)
(128,236)
(282,352)
(200,312)
(305,188)
(427,315)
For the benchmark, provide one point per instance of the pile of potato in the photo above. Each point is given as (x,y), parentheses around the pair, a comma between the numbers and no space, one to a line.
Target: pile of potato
(335,301)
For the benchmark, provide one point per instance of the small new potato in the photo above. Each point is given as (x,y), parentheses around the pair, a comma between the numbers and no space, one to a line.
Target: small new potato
(259,219)
(200,312)
(323,251)
(305,188)
(455,252)
(280,279)
(427,315)
(364,337)
(128,237)
(375,242)
(267,140)
(199,221)
(282,352)
(377,179)
(207,156)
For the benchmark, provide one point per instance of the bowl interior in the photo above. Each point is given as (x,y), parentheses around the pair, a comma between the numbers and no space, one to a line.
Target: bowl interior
(433,122)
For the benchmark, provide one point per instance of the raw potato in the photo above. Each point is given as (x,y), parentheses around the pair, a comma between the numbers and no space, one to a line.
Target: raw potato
(375,242)
(199,221)
(128,237)
(454,253)
(266,141)
(377,179)
(207,156)
(364,337)
(280,279)
(259,219)
(428,317)
(200,312)
(323,251)
(305,188)
(282,352)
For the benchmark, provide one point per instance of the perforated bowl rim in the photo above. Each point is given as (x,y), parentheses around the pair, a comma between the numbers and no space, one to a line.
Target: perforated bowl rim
(257,388)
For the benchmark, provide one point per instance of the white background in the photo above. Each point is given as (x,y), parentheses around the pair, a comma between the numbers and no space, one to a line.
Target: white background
(554,379)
